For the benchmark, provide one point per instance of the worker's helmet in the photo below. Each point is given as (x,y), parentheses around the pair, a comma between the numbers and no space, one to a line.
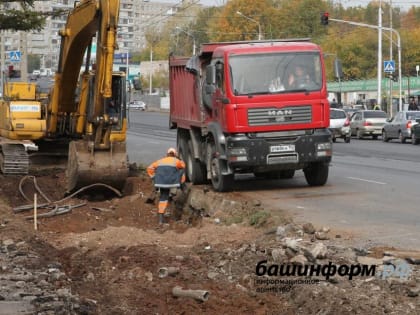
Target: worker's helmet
(172,151)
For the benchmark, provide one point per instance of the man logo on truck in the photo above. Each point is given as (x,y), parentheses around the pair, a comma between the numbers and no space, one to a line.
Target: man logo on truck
(287,112)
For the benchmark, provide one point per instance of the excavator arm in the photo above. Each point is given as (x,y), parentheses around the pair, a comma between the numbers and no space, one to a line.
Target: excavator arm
(79,103)
(89,18)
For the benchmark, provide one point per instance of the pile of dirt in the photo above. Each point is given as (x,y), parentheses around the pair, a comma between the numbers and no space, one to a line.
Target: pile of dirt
(111,250)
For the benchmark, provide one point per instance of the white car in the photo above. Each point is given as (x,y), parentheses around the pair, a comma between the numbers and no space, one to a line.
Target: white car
(137,105)
(339,125)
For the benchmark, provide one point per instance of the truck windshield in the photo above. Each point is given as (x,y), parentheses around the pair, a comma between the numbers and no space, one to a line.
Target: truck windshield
(275,73)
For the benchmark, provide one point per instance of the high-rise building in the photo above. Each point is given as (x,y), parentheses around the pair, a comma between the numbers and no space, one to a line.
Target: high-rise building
(134,16)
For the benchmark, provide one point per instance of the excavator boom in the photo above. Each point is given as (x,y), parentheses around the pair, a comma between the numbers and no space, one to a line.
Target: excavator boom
(97,151)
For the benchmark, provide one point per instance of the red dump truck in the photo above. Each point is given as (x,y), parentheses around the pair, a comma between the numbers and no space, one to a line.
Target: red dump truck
(251,107)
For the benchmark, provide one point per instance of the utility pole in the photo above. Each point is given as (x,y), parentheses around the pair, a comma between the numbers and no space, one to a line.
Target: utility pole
(380,54)
(151,68)
(24,57)
(2,61)
(390,102)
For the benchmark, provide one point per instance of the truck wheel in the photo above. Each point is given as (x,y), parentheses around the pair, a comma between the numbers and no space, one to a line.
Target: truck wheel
(347,139)
(316,174)
(195,170)
(183,152)
(219,181)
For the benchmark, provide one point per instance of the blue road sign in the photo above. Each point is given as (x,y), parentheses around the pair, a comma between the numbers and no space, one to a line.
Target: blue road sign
(14,55)
(389,66)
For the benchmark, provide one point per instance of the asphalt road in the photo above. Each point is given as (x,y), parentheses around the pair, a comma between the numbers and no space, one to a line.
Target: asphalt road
(373,191)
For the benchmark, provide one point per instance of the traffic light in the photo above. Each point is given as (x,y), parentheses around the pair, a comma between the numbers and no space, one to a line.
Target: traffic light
(393,77)
(324,18)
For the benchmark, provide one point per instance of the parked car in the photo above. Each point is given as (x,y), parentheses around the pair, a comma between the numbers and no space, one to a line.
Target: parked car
(137,105)
(339,125)
(367,123)
(399,126)
(415,132)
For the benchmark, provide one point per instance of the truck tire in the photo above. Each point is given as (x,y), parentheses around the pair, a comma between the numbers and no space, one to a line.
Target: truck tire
(183,151)
(196,172)
(221,183)
(316,174)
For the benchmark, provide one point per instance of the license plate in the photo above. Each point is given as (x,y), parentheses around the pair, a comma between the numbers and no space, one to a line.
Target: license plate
(282,148)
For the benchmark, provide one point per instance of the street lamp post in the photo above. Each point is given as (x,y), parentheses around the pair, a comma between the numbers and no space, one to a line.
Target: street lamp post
(189,34)
(398,46)
(255,21)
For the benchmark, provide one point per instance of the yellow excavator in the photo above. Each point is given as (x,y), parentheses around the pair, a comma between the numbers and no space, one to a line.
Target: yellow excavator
(86,108)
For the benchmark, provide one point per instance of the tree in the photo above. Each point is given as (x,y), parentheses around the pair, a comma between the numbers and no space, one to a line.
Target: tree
(25,19)
(230,26)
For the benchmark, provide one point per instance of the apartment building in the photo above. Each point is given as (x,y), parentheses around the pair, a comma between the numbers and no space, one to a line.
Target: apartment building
(134,16)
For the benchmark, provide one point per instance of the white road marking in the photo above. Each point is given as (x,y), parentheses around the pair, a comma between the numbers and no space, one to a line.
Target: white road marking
(367,180)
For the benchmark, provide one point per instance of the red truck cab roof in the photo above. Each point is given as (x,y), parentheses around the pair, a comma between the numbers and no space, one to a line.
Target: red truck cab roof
(219,48)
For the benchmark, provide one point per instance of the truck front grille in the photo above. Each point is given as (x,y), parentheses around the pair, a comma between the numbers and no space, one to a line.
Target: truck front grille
(279,116)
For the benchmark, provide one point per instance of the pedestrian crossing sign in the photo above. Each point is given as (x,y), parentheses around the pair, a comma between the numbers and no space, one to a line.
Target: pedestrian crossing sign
(14,55)
(389,66)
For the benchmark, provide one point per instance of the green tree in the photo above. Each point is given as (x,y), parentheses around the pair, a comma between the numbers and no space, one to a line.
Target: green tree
(25,18)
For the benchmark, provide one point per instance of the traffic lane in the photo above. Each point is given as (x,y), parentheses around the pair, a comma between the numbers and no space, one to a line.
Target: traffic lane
(148,136)
(376,148)
(358,198)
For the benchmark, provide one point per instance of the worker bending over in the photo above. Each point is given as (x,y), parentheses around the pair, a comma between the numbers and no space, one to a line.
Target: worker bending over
(167,173)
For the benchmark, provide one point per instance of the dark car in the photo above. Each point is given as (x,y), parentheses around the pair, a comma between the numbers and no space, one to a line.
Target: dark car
(415,132)
(399,126)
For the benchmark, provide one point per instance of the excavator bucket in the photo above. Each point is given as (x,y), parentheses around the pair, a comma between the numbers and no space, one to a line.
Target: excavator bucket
(87,166)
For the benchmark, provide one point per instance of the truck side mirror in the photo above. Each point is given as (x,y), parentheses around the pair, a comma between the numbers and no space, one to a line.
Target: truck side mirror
(211,74)
(209,86)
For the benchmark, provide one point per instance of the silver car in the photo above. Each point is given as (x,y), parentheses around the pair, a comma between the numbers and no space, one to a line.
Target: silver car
(339,125)
(399,126)
(137,105)
(367,123)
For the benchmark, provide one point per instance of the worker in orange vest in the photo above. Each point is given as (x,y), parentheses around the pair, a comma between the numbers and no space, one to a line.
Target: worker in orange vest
(167,173)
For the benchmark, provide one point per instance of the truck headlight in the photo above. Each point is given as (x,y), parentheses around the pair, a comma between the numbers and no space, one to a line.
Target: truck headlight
(238,154)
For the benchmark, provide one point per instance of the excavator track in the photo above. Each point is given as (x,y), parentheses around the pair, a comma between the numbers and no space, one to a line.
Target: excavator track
(14,159)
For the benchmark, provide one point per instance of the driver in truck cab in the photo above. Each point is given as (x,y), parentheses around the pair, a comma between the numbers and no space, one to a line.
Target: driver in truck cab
(167,173)
(298,78)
